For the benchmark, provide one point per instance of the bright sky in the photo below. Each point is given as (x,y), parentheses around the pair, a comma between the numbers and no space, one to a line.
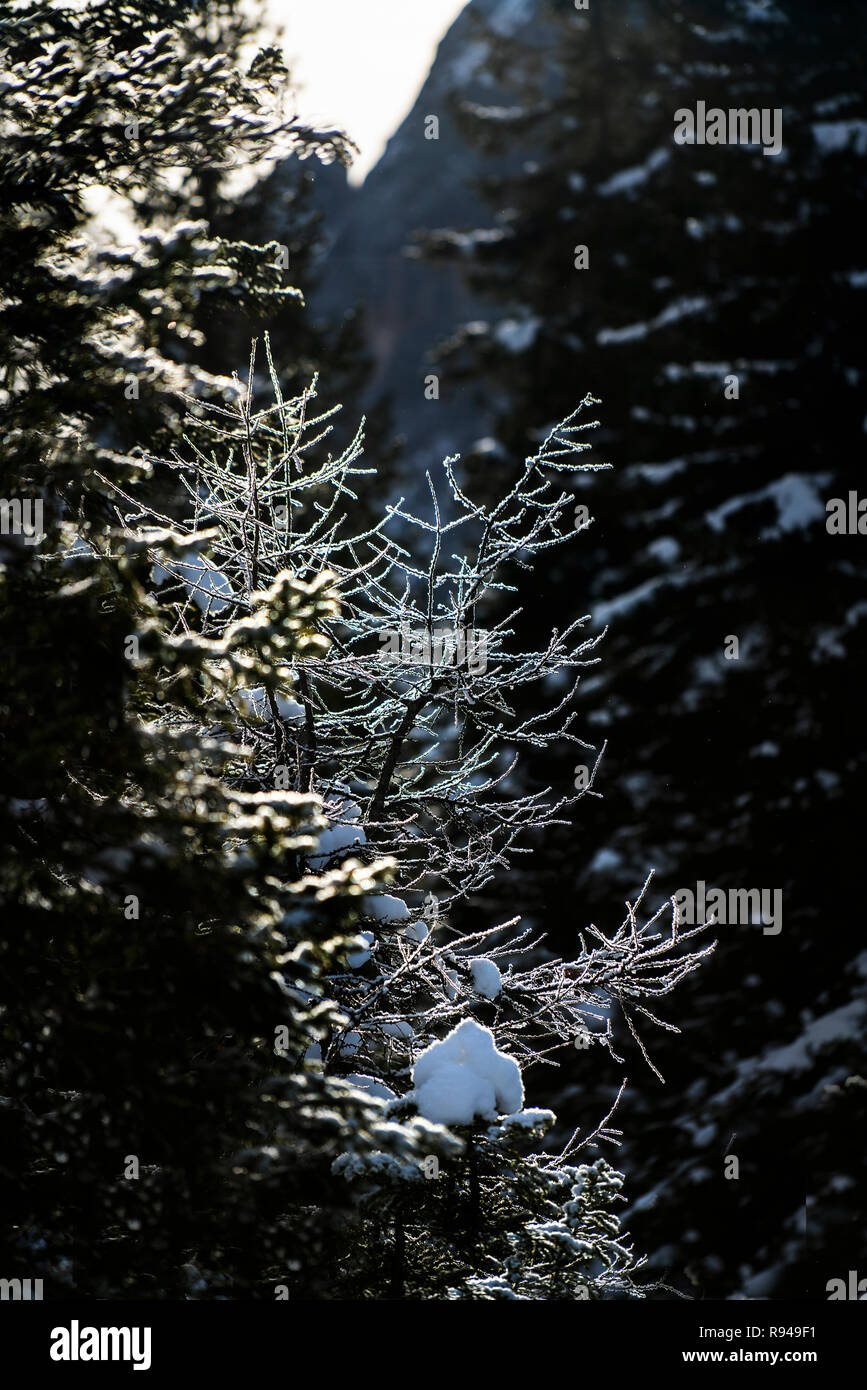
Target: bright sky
(359,64)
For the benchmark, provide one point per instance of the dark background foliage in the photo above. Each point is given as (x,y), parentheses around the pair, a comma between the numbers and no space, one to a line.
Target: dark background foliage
(556,130)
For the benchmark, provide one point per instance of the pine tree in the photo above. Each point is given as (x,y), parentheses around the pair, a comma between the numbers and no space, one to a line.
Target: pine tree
(150,102)
(160,968)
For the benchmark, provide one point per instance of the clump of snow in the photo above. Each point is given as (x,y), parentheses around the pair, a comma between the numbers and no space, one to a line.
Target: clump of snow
(494,113)
(487,979)
(516,335)
(376,1165)
(764,12)
(465,1077)
(768,749)
(341,835)
(533,1121)
(661,472)
(665,549)
(491,448)
(362,1082)
(833,136)
(417,932)
(401,1030)
(798,499)
(356,959)
(684,307)
(630,180)
(604,860)
(386,908)
(625,603)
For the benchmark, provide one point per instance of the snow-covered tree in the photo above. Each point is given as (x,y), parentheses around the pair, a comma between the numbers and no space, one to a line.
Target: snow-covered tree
(405,726)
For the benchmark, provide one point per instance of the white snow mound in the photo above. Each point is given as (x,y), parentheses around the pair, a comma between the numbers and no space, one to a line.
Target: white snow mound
(362,1082)
(487,979)
(356,959)
(464,1077)
(335,838)
(417,932)
(386,908)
